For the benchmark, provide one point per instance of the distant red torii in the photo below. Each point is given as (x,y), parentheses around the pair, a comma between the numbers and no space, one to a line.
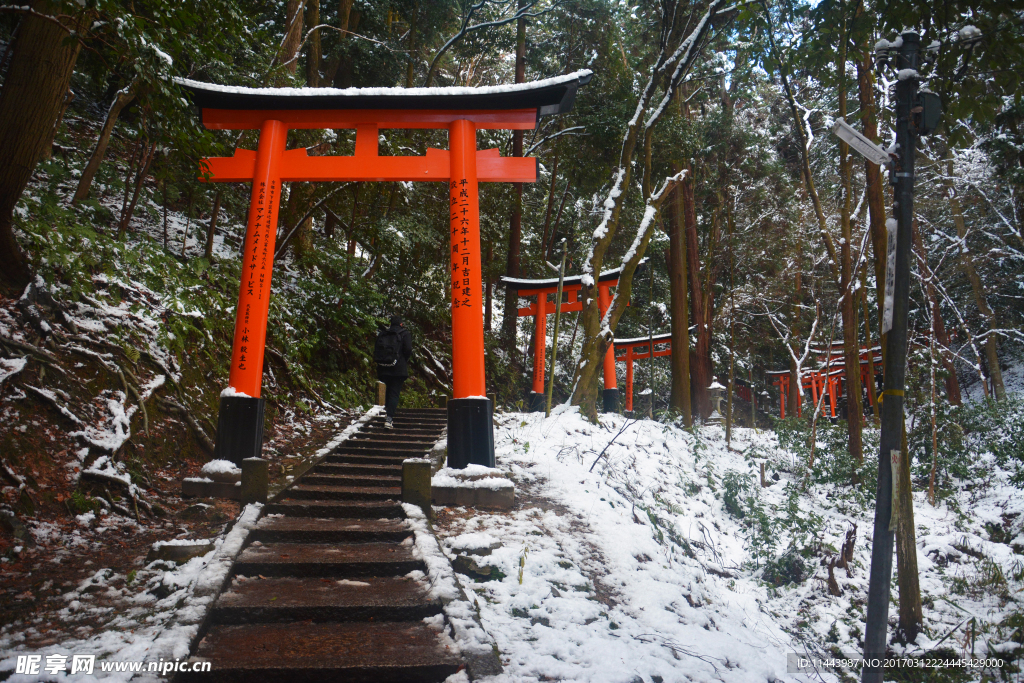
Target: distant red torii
(540,309)
(817,381)
(630,346)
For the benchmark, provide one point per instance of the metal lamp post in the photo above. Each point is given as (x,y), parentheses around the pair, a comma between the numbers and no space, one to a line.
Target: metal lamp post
(917,113)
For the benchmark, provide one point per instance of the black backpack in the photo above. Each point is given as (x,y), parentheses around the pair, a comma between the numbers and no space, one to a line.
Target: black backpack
(388,348)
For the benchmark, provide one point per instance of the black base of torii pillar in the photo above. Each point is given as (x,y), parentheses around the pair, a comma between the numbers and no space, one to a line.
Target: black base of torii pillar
(470,432)
(610,400)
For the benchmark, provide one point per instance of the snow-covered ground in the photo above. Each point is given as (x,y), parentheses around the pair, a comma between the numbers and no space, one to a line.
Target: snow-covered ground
(626,559)
(161,608)
(634,570)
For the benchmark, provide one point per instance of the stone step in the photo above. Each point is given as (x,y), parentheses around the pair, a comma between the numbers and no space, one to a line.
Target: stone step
(423,411)
(396,444)
(297,652)
(352,509)
(320,559)
(324,479)
(391,598)
(399,428)
(379,428)
(311,491)
(415,422)
(390,437)
(372,458)
(278,529)
(390,470)
(381,449)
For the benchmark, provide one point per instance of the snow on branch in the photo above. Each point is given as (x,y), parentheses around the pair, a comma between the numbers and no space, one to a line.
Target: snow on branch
(683,59)
(785,334)
(575,130)
(679,61)
(521,13)
(52,399)
(342,31)
(631,259)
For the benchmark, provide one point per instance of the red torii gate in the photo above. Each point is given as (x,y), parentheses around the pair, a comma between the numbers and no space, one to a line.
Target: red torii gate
(542,307)
(817,382)
(462,111)
(630,346)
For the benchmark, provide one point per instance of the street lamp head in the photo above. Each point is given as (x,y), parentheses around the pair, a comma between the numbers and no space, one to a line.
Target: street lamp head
(863,146)
(881,54)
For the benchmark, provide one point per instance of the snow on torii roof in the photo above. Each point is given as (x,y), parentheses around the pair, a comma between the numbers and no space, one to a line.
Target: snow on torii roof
(570,280)
(548,96)
(658,338)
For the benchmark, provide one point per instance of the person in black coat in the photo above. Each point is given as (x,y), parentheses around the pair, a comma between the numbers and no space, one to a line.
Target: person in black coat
(394,375)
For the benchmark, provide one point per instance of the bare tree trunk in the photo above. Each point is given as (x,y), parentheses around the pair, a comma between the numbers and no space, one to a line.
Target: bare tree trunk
(121,100)
(47,147)
(42,61)
(344,15)
(165,213)
(795,395)
(188,220)
(213,226)
(515,226)
(558,221)
(873,175)
(701,373)
(931,407)
(410,68)
(938,327)
(315,56)
(967,262)
(753,394)
(680,314)
(851,347)
(293,35)
(911,612)
(547,212)
(872,394)
(145,161)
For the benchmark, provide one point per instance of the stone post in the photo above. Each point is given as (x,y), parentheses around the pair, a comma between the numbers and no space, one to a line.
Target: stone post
(255,480)
(416,483)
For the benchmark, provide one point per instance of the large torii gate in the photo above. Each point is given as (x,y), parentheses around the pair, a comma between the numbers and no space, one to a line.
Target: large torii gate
(540,309)
(462,111)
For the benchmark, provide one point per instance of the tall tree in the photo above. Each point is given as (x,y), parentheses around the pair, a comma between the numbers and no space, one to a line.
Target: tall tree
(847,275)
(679,400)
(515,221)
(42,60)
(677,53)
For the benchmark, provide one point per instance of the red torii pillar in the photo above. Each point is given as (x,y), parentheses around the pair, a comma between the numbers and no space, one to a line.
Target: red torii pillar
(540,310)
(460,110)
(629,346)
(782,382)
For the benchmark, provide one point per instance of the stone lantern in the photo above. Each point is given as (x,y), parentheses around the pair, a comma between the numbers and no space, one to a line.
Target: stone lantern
(717,393)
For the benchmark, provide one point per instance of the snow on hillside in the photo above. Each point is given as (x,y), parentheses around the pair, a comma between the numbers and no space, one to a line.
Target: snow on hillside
(636,571)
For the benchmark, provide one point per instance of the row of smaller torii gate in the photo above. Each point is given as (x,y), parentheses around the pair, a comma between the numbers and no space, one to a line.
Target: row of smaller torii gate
(828,379)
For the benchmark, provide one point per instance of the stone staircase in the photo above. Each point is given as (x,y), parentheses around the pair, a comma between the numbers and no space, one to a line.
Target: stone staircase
(321,592)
